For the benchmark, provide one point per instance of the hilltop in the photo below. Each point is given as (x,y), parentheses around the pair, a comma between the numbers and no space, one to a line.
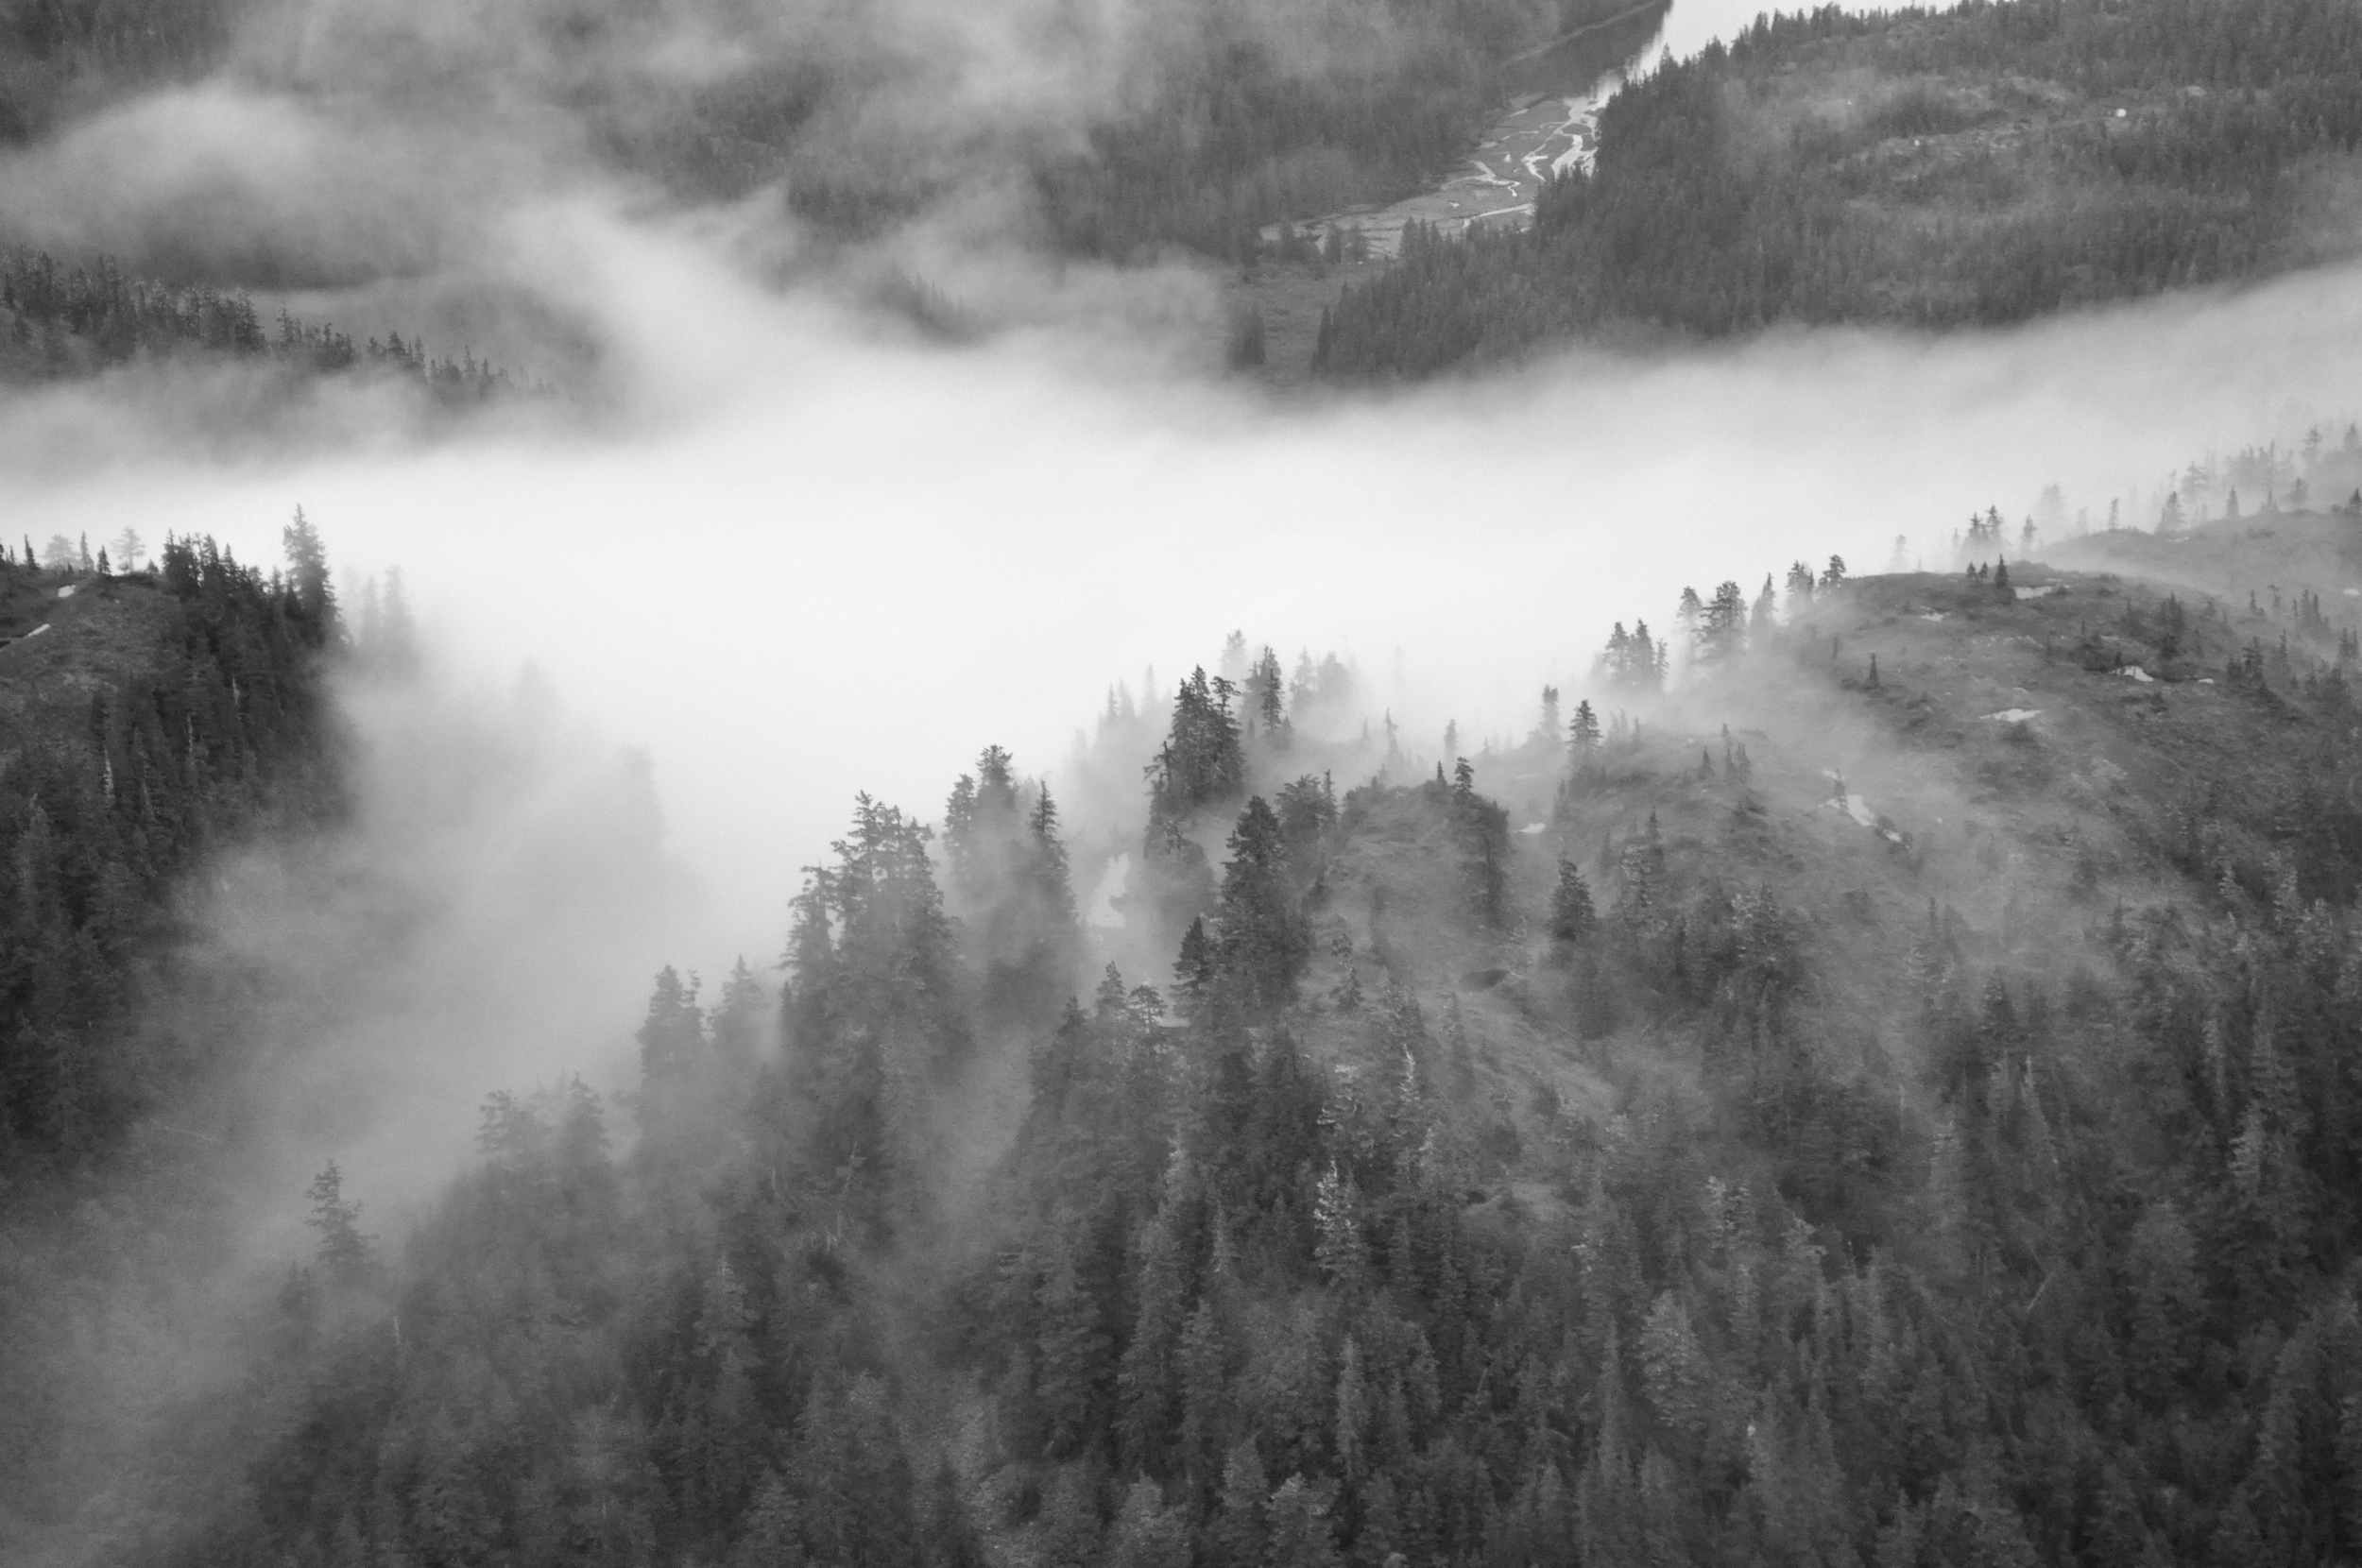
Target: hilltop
(151,721)
(147,720)
(1889,1096)
(2258,565)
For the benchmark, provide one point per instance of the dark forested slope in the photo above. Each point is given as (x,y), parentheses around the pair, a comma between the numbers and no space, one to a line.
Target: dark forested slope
(1983,164)
(1891,1099)
(146,719)
(150,720)
(58,322)
(1188,121)
(1239,130)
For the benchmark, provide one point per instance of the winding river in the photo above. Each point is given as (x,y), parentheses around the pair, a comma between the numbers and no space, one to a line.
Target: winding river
(1551,124)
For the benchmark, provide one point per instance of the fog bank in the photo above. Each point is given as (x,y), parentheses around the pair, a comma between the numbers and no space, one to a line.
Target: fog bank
(808,560)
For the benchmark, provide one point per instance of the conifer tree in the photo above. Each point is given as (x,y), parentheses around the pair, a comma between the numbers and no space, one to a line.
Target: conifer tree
(1692,613)
(1583,736)
(1724,633)
(1573,918)
(1641,875)
(1241,1532)
(1200,763)
(314,606)
(344,1253)
(1480,829)
(1800,589)
(1264,943)
(1308,813)
(1071,1367)
(1266,701)
(1299,1530)
(1193,972)
(1342,1253)
(1147,1534)
(1607,1511)
(1205,1429)
(1145,1380)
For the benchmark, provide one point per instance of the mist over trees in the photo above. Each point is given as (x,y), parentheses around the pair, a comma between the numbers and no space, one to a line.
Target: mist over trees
(1238,130)
(1864,1071)
(212,728)
(1970,166)
(156,721)
(58,322)
(1701,1165)
(1194,124)
(1974,166)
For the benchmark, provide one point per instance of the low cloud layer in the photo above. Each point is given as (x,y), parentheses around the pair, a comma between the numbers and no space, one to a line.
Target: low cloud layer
(805,559)
(486,918)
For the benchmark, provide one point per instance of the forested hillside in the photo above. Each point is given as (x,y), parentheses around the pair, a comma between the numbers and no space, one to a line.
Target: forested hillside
(147,718)
(1194,127)
(56,56)
(1237,130)
(58,322)
(1997,161)
(1884,1092)
(152,721)
(1194,123)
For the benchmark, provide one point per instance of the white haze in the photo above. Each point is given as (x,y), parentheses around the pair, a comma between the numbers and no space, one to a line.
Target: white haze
(819,561)
(791,555)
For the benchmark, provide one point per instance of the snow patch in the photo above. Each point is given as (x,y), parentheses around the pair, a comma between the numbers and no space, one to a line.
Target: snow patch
(38,630)
(2133,672)
(1856,808)
(2043,593)
(1533,827)
(1849,803)
(1931,615)
(66,592)
(2015,715)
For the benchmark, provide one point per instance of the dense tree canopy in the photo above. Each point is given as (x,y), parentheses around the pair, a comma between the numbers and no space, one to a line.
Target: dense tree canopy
(217,725)
(1709,1168)
(57,321)
(1983,164)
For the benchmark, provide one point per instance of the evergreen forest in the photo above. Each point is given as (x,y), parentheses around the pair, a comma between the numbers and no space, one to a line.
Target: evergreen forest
(1633,1141)
(1988,163)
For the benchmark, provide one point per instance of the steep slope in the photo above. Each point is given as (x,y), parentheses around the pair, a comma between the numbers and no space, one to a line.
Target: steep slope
(143,721)
(149,722)
(1969,166)
(2257,566)
(1891,1099)
(59,322)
